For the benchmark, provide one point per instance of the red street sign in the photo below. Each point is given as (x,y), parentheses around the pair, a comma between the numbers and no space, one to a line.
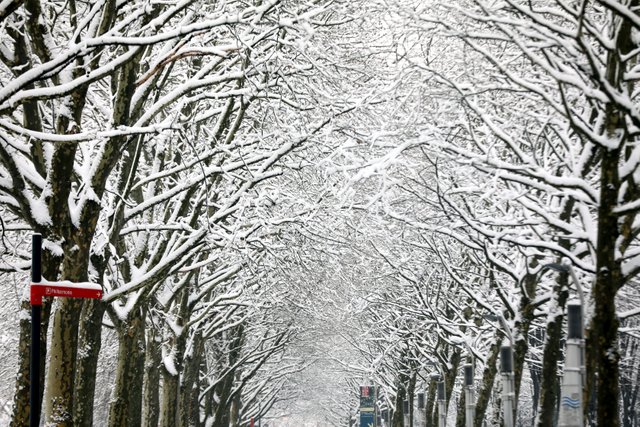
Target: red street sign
(65,290)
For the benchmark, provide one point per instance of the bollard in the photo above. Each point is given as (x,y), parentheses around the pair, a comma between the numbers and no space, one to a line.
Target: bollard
(420,400)
(571,388)
(469,398)
(442,404)
(508,387)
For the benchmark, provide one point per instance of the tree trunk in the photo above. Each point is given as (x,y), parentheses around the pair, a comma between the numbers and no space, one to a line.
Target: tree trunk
(609,277)
(151,395)
(169,407)
(488,377)
(126,405)
(550,387)
(461,414)
(20,415)
(189,390)
(88,351)
(450,376)
(522,325)
(535,375)
(398,412)
(222,408)
(171,380)
(604,329)
(58,401)
(430,404)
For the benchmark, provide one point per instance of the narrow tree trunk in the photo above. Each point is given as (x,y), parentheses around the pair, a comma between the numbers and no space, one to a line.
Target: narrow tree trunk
(171,380)
(398,412)
(522,325)
(188,396)
(550,387)
(234,412)
(222,408)
(450,376)
(58,400)
(604,330)
(169,407)
(151,395)
(488,378)
(536,379)
(90,341)
(430,404)
(20,415)
(126,405)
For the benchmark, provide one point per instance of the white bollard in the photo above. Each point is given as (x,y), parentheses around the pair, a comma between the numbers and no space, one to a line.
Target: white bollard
(469,396)
(442,405)
(508,387)
(571,389)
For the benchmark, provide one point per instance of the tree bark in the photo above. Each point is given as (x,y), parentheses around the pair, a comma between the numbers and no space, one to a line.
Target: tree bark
(126,405)
(398,412)
(609,278)
(89,345)
(58,400)
(430,404)
(522,325)
(189,389)
(20,415)
(550,387)
(488,378)
(151,395)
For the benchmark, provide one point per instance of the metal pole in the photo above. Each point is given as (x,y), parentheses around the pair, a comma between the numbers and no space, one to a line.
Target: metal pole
(442,404)
(469,398)
(571,388)
(36,317)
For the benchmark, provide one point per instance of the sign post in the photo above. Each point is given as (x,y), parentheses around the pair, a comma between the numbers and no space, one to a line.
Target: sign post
(36,318)
(469,398)
(39,289)
(367,406)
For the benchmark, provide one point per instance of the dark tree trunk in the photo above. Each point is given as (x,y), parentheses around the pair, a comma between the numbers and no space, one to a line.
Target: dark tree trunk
(430,404)
(126,407)
(398,412)
(488,378)
(550,387)
(20,415)
(188,396)
(609,278)
(151,395)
